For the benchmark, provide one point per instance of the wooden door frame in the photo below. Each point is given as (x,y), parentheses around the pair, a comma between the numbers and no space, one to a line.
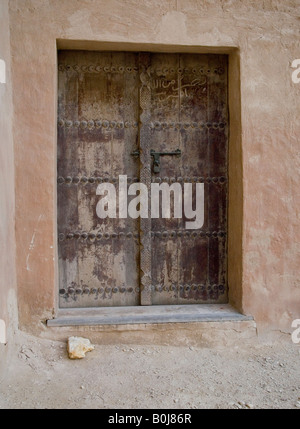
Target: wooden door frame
(235,160)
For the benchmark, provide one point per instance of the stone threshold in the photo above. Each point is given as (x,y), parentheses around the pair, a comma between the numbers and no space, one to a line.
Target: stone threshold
(146,314)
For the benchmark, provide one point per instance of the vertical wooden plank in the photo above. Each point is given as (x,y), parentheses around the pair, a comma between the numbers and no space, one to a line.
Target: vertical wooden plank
(165,118)
(194,143)
(145,178)
(218,148)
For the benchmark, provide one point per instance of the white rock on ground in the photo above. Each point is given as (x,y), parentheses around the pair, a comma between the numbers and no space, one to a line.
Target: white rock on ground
(78,346)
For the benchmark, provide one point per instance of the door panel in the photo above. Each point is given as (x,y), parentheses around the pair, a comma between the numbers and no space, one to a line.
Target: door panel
(189,112)
(97,131)
(110,105)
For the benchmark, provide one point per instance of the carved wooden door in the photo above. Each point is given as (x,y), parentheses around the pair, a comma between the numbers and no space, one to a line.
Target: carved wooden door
(154,119)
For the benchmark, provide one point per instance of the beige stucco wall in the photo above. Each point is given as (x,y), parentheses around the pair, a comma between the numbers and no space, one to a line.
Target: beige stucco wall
(8,306)
(262,38)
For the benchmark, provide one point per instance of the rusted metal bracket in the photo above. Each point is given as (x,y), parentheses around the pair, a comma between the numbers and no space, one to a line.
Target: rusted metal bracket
(157,155)
(135,153)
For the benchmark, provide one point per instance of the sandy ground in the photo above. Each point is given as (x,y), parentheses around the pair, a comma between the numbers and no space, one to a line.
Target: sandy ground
(41,375)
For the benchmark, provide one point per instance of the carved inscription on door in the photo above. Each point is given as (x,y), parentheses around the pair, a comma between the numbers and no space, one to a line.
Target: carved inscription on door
(152,127)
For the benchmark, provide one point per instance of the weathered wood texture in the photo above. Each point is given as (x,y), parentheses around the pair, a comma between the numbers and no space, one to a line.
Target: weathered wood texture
(189,112)
(97,131)
(109,105)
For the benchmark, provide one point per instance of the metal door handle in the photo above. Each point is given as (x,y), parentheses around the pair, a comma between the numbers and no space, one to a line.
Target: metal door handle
(157,155)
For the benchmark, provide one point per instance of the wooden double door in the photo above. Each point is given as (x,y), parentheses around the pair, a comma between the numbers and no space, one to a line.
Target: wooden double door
(126,120)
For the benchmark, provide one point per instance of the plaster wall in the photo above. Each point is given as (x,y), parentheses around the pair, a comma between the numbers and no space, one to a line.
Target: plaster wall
(8,305)
(261,39)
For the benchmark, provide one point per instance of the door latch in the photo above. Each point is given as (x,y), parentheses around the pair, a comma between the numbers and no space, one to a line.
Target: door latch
(157,155)
(135,153)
